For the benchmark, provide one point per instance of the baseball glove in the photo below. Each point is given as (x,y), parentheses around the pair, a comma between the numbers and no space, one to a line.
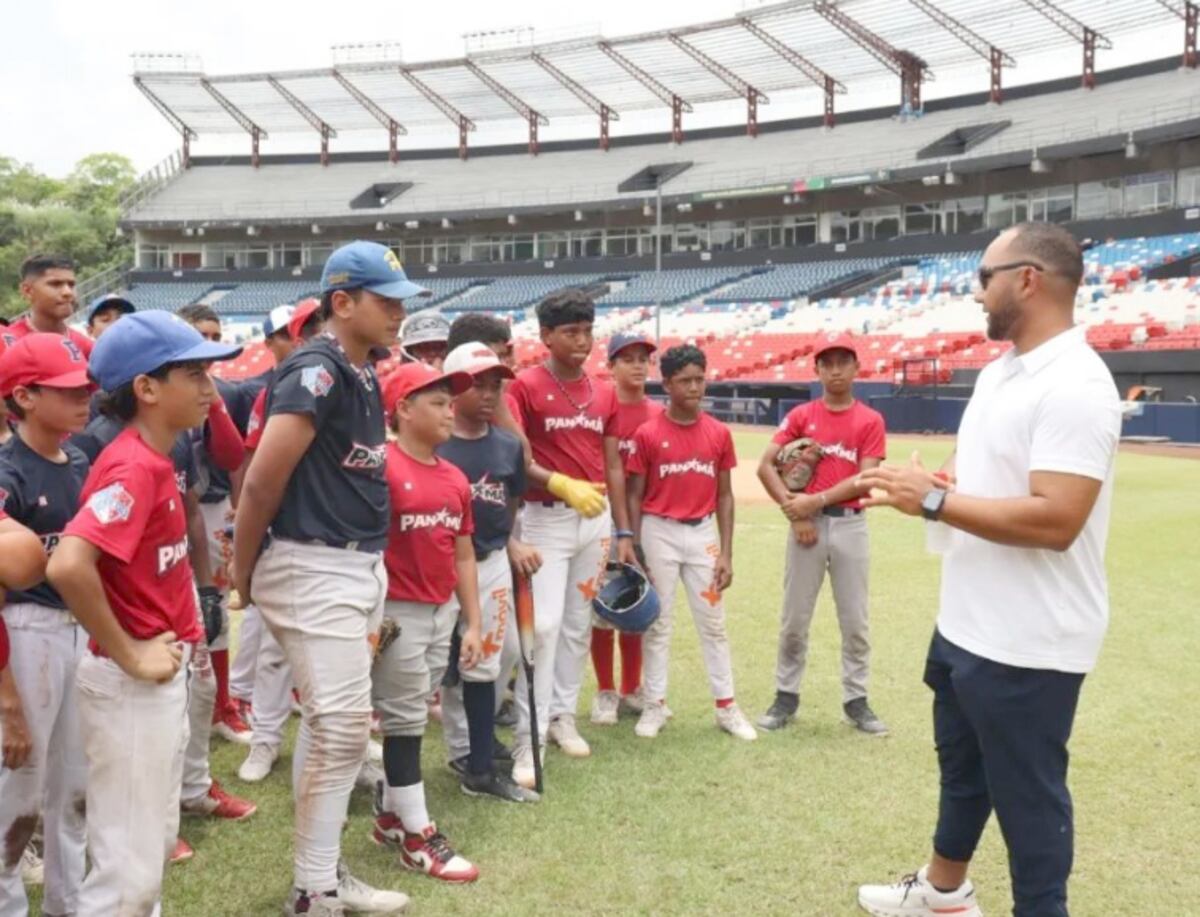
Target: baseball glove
(796,462)
(212,611)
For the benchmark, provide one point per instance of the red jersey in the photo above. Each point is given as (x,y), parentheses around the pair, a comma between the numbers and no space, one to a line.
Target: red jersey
(681,464)
(257,420)
(21,327)
(430,508)
(565,423)
(629,418)
(847,437)
(514,409)
(131,509)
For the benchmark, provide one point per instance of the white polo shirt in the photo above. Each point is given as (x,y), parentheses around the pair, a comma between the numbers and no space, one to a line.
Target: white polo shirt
(1053,409)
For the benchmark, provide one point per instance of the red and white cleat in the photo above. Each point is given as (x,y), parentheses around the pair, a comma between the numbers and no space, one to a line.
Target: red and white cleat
(428,852)
(182,853)
(229,725)
(217,803)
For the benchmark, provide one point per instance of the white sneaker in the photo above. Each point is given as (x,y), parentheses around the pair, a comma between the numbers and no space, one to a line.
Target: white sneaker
(604,708)
(913,896)
(258,763)
(33,870)
(734,722)
(633,703)
(357,896)
(562,732)
(522,772)
(374,751)
(369,775)
(652,720)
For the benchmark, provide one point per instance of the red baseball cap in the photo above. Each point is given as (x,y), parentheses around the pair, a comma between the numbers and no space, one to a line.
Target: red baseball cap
(45,359)
(412,377)
(302,313)
(843,340)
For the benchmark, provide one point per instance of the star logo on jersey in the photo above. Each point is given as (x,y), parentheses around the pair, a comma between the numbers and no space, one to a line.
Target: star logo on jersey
(408,485)
(666,445)
(317,380)
(549,396)
(42,501)
(812,428)
(493,493)
(111,504)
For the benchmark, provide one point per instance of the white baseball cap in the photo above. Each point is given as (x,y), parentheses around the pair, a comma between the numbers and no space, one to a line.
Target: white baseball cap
(277,320)
(475,359)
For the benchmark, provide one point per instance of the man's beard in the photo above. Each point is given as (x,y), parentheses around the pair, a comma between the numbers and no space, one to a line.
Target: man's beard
(1001,321)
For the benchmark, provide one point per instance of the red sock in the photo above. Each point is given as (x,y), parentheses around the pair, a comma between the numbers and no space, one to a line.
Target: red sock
(602,657)
(631,662)
(724,702)
(220,664)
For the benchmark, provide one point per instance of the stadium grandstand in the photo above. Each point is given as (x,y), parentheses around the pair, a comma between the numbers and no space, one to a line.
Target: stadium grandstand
(751,238)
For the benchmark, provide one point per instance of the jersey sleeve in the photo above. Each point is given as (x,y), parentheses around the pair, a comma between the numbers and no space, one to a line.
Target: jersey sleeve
(11,504)
(308,387)
(639,458)
(1076,429)
(873,439)
(792,426)
(518,393)
(612,419)
(727,457)
(115,515)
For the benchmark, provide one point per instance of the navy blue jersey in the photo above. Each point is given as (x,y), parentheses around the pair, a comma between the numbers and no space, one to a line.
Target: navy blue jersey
(495,467)
(43,496)
(104,429)
(337,493)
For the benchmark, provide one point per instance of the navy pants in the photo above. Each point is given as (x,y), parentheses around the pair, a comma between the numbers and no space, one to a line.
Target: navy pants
(1001,735)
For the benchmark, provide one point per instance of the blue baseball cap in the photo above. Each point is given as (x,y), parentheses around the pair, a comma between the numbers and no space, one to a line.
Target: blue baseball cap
(619,342)
(369,266)
(145,341)
(110,301)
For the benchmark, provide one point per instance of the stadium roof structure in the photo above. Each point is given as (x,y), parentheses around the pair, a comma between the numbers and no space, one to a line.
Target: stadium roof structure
(818,46)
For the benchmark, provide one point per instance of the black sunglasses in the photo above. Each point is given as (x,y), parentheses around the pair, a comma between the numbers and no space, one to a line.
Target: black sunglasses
(987,273)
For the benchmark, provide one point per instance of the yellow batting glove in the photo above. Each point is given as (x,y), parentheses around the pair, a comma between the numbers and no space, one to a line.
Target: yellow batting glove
(584,497)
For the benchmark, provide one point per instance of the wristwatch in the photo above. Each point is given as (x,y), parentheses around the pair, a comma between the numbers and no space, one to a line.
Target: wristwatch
(931,506)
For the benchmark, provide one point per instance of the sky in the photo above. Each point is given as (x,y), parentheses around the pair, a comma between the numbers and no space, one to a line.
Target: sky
(66,68)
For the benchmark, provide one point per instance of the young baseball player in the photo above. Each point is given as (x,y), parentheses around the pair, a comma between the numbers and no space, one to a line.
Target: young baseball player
(629,360)
(311,526)
(122,566)
(424,337)
(829,533)
(44,379)
(679,480)
(494,464)
(105,310)
(569,418)
(48,285)
(430,558)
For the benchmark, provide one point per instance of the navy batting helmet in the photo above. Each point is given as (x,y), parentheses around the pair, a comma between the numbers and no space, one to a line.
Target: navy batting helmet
(627,601)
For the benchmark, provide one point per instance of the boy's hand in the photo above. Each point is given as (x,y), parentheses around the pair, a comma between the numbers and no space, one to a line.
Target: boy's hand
(471,652)
(805,532)
(156,659)
(524,557)
(626,553)
(722,573)
(17,741)
(801,506)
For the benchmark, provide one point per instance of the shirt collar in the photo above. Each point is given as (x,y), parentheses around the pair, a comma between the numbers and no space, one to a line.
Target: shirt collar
(1047,352)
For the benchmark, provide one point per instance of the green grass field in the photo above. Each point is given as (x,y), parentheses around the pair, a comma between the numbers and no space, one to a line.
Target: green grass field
(698,823)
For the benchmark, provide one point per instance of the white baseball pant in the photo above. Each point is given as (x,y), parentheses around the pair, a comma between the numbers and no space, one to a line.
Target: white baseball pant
(574,552)
(202,697)
(323,605)
(46,644)
(134,733)
(676,551)
(501,648)
(245,660)
(410,668)
(842,548)
(271,693)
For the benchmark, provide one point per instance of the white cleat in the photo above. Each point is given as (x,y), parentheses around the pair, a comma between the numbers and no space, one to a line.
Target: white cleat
(605,706)
(369,776)
(733,721)
(375,751)
(258,763)
(652,720)
(33,870)
(562,732)
(522,772)
(360,898)
(913,896)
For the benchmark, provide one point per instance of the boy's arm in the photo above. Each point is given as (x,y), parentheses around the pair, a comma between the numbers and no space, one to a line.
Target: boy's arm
(285,439)
(723,569)
(22,557)
(17,741)
(614,474)
(467,591)
(223,440)
(197,541)
(636,494)
(72,571)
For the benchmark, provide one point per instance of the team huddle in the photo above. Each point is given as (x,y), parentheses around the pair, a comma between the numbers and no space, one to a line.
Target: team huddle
(374,532)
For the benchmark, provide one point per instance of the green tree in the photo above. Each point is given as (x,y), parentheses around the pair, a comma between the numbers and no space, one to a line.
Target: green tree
(76,216)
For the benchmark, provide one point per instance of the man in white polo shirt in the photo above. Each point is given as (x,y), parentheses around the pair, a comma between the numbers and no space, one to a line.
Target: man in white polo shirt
(1024,601)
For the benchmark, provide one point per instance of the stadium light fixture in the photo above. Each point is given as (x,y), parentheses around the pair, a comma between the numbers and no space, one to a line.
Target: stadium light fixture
(1038,165)
(316,229)
(512,219)
(578,216)
(1131,147)
(380,226)
(251,231)
(719,205)
(199,230)
(647,211)
(188,231)
(412,224)
(951,177)
(684,207)
(787,199)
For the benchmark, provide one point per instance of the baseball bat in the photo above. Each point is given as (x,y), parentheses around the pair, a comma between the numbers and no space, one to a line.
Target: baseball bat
(523,590)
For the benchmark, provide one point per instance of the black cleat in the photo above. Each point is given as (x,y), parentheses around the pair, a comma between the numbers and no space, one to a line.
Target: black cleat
(781,712)
(498,785)
(860,715)
(506,716)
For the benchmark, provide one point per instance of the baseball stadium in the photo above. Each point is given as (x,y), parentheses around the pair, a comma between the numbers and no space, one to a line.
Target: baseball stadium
(718,196)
